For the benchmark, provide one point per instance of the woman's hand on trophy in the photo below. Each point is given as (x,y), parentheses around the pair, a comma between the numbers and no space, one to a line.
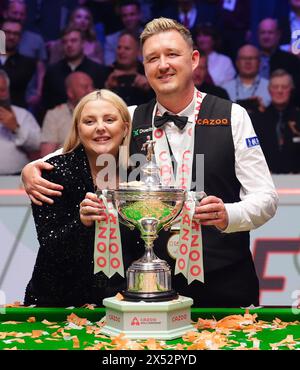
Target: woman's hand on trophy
(91,210)
(211,211)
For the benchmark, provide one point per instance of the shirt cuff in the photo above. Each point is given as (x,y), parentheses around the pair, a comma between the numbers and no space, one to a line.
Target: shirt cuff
(234,218)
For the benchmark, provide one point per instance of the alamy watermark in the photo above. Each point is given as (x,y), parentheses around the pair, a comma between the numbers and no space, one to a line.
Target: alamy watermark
(295,42)
(296,303)
(2,302)
(109,167)
(2,42)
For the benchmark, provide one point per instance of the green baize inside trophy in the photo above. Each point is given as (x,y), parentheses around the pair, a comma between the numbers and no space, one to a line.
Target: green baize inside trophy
(148,206)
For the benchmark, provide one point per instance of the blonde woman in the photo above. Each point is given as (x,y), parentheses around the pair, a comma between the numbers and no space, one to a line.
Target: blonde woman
(63,273)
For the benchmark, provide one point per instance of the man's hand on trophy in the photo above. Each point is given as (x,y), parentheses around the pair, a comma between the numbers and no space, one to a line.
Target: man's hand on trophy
(211,211)
(91,210)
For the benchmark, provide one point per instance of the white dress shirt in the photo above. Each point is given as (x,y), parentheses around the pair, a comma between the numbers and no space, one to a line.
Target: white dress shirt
(258,195)
(220,68)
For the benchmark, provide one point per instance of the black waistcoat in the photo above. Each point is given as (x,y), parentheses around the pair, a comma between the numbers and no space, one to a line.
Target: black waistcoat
(213,138)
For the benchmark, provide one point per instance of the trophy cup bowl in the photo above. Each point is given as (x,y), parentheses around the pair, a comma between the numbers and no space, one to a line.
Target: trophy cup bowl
(149,209)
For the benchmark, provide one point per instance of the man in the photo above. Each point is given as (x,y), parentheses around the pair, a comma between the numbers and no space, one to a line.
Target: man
(31,45)
(54,89)
(128,78)
(19,132)
(19,68)
(131,16)
(275,126)
(272,57)
(241,194)
(58,120)
(248,88)
(201,78)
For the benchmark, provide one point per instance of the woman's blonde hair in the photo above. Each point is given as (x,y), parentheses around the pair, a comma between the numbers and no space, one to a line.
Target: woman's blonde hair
(73,140)
(162,24)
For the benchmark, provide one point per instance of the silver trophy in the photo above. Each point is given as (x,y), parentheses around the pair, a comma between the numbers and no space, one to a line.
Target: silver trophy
(148,206)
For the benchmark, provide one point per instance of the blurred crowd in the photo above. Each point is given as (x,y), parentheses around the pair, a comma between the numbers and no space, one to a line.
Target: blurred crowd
(58,51)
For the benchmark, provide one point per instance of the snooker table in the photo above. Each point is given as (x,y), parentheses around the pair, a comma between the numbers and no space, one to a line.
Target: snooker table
(79,328)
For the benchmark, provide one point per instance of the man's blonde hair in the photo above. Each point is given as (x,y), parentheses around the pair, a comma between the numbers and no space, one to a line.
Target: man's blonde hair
(73,140)
(162,24)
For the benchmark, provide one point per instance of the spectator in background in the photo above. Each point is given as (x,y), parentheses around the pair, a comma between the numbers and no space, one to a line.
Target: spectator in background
(19,68)
(58,121)
(272,126)
(188,12)
(130,13)
(248,88)
(80,18)
(203,81)
(220,66)
(19,132)
(31,45)
(272,57)
(127,78)
(54,92)
(233,21)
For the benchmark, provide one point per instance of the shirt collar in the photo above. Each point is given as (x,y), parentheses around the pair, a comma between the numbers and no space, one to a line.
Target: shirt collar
(188,111)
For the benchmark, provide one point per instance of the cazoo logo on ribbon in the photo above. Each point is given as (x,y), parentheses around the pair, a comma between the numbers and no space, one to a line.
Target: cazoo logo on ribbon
(2,42)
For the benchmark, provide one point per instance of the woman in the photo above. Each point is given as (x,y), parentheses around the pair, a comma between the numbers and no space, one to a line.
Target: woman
(63,274)
(82,19)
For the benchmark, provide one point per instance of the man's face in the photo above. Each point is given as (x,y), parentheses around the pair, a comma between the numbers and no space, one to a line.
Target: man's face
(169,63)
(79,87)
(248,61)
(127,51)
(4,93)
(72,45)
(13,33)
(200,71)
(131,17)
(16,11)
(268,34)
(280,89)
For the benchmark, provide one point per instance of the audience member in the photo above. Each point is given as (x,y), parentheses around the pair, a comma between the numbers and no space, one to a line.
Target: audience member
(272,57)
(188,12)
(248,88)
(58,121)
(203,81)
(31,45)
(54,88)
(19,132)
(272,126)
(131,16)
(127,78)
(19,68)
(80,18)
(220,66)
(233,21)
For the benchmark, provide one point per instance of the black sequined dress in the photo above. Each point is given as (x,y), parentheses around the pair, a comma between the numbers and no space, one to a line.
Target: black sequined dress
(63,273)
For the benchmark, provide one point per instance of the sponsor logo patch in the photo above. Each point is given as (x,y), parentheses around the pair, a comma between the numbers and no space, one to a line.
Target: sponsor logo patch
(252,141)
(212,122)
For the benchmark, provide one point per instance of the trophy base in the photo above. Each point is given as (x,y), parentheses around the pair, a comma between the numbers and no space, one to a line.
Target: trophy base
(149,297)
(144,320)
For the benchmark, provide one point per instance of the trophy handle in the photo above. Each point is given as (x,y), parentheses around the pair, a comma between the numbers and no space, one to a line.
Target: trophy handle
(199,195)
(126,223)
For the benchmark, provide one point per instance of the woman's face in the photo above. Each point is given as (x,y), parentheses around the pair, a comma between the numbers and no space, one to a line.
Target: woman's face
(82,19)
(101,128)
